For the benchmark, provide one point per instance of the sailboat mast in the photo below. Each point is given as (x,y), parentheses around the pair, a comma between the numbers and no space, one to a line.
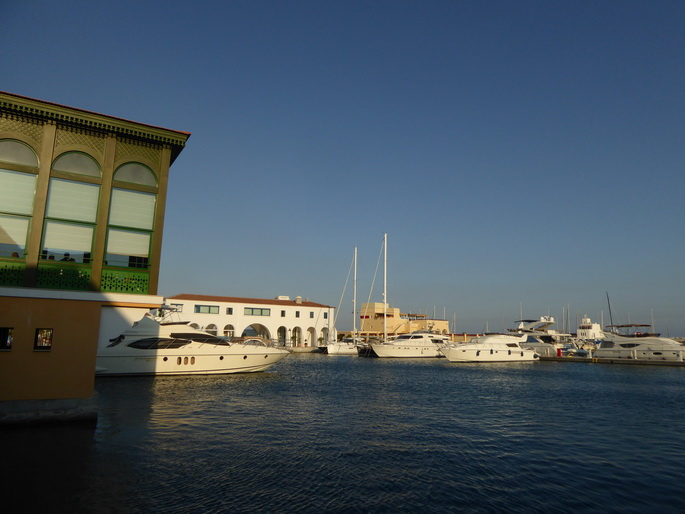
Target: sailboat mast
(354,297)
(611,317)
(385,287)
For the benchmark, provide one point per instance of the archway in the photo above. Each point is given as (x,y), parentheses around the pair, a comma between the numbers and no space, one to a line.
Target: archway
(256,330)
(296,337)
(282,335)
(310,340)
(229,331)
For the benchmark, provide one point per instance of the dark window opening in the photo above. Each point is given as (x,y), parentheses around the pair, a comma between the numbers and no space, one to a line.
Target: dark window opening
(6,338)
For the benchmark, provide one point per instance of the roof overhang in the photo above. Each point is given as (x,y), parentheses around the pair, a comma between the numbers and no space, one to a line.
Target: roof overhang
(24,107)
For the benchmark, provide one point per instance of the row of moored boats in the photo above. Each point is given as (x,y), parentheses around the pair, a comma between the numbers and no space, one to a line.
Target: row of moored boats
(528,342)
(154,346)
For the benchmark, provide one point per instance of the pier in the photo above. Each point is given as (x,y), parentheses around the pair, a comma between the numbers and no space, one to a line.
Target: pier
(594,360)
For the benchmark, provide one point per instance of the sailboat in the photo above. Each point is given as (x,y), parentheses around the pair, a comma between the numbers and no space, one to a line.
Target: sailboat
(366,350)
(348,346)
(421,344)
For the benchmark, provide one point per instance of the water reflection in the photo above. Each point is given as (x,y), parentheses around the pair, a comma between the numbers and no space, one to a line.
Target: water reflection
(317,434)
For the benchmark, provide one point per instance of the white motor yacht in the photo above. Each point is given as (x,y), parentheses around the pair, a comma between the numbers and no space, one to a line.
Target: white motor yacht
(537,335)
(490,348)
(155,347)
(630,342)
(414,345)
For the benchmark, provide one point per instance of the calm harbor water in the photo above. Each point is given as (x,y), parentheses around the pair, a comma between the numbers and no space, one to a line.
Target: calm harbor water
(319,433)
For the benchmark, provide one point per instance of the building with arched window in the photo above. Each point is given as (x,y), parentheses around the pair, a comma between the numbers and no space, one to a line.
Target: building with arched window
(297,323)
(82,200)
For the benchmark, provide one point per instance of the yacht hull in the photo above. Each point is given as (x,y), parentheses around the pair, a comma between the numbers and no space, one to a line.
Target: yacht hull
(647,348)
(489,355)
(234,359)
(342,349)
(408,352)
(641,356)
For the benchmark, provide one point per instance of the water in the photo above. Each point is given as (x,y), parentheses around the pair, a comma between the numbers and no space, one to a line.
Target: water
(318,433)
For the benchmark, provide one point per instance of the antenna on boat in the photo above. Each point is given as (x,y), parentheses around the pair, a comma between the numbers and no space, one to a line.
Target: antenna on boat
(653,327)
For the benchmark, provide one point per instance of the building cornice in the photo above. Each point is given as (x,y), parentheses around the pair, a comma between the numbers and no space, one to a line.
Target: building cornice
(61,115)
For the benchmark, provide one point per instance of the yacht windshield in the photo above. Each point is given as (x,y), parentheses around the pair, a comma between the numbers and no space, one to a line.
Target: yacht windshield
(159,343)
(202,338)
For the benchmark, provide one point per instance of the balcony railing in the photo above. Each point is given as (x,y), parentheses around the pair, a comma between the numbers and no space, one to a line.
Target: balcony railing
(75,277)
(12,273)
(123,280)
(64,275)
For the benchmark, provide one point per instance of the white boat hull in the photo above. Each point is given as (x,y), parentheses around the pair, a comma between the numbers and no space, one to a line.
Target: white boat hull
(456,354)
(186,361)
(643,348)
(151,347)
(641,355)
(342,349)
(406,351)
(490,348)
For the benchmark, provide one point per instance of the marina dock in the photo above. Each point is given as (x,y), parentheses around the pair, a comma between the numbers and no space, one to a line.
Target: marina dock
(594,360)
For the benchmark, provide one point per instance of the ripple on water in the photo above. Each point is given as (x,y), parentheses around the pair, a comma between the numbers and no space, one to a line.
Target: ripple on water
(323,434)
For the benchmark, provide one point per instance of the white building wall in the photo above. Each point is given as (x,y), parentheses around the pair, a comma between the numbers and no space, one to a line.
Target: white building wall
(308,323)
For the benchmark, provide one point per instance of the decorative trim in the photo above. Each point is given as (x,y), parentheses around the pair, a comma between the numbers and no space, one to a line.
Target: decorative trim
(46,112)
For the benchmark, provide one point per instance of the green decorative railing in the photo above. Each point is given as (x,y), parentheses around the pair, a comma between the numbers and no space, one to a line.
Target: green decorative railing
(61,275)
(12,273)
(125,281)
(75,277)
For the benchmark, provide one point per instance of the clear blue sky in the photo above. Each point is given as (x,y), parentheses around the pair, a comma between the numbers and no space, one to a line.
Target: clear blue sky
(523,156)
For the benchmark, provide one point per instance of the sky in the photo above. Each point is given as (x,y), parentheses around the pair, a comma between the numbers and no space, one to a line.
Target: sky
(525,158)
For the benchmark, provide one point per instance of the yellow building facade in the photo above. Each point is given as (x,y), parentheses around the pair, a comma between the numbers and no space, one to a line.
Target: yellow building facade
(82,201)
(372,322)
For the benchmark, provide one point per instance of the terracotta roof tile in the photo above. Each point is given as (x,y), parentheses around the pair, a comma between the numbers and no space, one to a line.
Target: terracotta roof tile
(235,299)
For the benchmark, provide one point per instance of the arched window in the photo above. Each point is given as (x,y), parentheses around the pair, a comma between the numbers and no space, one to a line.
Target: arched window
(282,335)
(71,210)
(211,329)
(229,331)
(16,152)
(18,168)
(135,173)
(78,163)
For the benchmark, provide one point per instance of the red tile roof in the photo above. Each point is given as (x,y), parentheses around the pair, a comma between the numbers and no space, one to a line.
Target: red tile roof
(234,299)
